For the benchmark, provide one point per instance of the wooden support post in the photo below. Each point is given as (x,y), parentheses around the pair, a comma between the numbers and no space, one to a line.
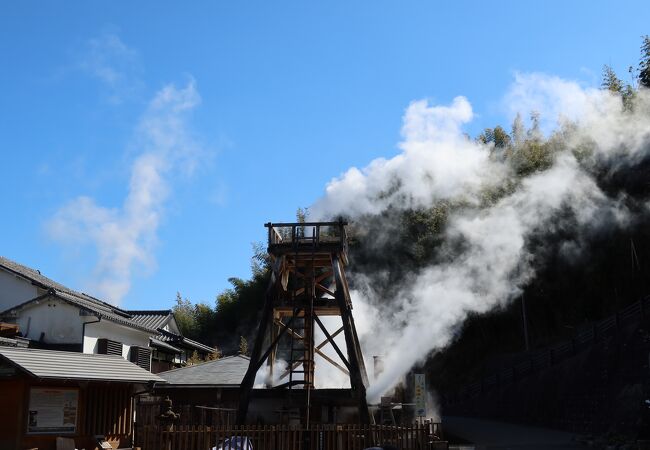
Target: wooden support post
(356,378)
(249,378)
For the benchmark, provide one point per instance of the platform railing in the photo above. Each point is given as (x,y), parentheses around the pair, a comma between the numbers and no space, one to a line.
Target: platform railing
(306,233)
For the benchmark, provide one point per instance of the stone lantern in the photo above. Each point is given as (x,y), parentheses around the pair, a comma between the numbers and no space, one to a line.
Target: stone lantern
(168,416)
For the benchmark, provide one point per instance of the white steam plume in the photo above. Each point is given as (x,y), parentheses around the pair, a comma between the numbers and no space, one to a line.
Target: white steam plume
(439,163)
(125,237)
(116,65)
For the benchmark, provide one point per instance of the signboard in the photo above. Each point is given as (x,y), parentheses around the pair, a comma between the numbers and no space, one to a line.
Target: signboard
(420,395)
(52,410)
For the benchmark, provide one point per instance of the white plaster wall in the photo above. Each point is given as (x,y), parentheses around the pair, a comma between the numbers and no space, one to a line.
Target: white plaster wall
(172,326)
(115,332)
(59,321)
(62,324)
(15,290)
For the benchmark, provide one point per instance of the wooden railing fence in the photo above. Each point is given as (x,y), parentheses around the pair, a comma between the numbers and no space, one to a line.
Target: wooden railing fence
(425,436)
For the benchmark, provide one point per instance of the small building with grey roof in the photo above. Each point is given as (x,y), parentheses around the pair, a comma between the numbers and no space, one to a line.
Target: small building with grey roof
(205,393)
(49,393)
(208,393)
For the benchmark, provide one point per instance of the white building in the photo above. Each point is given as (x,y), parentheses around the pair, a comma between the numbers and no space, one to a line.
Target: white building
(170,349)
(53,316)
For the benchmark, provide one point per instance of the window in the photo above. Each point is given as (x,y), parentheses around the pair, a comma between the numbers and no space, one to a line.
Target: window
(108,347)
(141,356)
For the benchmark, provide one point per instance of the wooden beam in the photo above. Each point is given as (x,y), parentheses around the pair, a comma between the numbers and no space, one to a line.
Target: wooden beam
(254,365)
(273,344)
(317,349)
(287,311)
(326,341)
(331,341)
(323,276)
(357,378)
(332,362)
(324,289)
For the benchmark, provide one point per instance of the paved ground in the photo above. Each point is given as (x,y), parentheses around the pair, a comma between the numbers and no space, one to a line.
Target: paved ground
(488,434)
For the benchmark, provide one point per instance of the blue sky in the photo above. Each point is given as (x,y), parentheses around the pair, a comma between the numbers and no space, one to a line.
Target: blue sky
(260,105)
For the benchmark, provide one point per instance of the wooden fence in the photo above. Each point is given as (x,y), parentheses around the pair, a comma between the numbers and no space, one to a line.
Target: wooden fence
(425,436)
(147,413)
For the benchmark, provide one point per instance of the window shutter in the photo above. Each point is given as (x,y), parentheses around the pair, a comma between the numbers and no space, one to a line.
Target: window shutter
(108,347)
(141,356)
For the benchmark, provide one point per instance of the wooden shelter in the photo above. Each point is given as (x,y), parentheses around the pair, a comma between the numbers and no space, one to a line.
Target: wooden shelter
(48,394)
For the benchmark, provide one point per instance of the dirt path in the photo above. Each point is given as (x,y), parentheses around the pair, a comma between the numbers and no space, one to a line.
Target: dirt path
(488,434)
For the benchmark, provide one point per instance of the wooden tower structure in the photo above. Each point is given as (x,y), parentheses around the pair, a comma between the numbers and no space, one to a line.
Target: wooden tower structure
(307,283)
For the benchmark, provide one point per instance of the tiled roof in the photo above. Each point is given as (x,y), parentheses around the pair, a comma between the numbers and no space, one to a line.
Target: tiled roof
(227,371)
(44,282)
(177,339)
(32,274)
(151,319)
(197,345)
(104,313)
(14,342)
(153,342)
(84,301)
(50,364)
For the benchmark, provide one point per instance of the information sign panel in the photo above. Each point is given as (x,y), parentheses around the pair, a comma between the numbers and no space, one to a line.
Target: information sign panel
(420,395)
(52,410)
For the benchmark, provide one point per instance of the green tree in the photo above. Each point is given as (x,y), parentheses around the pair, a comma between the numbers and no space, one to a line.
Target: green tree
(610,81)
(629,93)
(535,131)
(302,214)
(203,319)
(486,136)
(534,155)
(243,346)
(215,354)
(194,359)
(260,260)
(501,137)
(518,130)
(644,63)
(184,314)
(497,135)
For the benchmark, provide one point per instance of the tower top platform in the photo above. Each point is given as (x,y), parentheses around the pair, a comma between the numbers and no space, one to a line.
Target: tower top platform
(307,238)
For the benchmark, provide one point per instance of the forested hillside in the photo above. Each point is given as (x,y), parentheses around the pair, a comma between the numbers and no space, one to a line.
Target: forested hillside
(577,269)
